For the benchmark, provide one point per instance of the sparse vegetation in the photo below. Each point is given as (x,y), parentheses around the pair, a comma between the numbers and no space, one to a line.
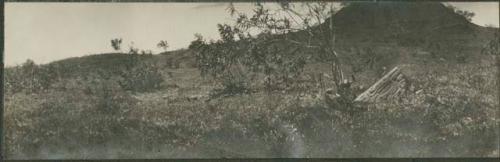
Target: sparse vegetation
(242,59)
(163,45)
(116,44)
(466,14)
(281,93)
(142,77)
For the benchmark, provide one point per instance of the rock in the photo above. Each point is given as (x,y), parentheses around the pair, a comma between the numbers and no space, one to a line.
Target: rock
(195,97)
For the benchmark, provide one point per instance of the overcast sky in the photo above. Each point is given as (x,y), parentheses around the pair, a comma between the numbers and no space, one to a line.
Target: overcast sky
(45,32)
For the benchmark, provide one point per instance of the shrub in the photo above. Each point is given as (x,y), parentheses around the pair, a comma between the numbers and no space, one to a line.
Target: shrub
(76,113)
(116,44)
(141,77)
(464,13)
(29,78)
(163,45)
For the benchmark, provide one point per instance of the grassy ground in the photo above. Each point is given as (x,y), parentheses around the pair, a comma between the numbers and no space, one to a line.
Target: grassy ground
(85,113)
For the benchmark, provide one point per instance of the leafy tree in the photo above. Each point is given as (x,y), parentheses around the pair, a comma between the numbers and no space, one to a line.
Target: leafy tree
(163,45)
(116,44)
(288,37)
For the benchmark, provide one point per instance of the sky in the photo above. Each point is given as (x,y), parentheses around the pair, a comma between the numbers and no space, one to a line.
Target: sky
(46,32)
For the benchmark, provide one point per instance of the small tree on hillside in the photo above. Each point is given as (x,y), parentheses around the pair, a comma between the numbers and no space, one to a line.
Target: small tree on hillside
(163,45)
(116,44)
(134,56)
(132,49)
(466,14)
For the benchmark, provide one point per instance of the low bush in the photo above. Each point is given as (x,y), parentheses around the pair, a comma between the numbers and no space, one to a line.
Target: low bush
(29,78)
(73,114)
(141,77)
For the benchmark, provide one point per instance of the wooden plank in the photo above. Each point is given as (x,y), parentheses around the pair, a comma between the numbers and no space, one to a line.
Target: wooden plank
(390,87)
